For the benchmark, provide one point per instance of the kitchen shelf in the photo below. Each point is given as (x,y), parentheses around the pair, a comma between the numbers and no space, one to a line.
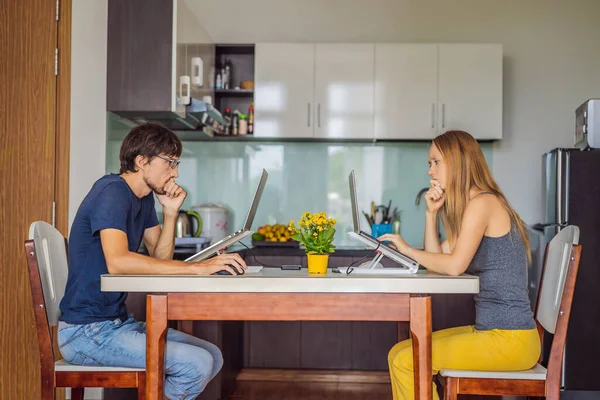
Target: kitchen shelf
(234,92)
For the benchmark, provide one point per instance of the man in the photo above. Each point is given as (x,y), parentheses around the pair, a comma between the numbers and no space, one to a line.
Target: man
(116,215)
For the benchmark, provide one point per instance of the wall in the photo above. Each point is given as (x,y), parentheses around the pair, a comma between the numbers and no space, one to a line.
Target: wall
(88,98)
(550,51)
(88,106)
(302,177)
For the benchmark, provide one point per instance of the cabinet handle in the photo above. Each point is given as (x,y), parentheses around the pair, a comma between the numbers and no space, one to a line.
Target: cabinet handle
(308,121)
(319,115)
(433,115)
(443,115)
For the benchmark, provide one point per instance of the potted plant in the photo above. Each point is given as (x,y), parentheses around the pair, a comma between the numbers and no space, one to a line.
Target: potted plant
(315,232)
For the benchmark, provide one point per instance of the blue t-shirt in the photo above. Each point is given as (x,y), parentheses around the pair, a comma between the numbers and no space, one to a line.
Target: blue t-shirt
(110,204)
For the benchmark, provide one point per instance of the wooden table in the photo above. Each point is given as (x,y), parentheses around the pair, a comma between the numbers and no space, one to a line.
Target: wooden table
(276,295)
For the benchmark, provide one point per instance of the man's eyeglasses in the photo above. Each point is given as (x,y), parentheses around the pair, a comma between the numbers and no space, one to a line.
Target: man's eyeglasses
(174,163)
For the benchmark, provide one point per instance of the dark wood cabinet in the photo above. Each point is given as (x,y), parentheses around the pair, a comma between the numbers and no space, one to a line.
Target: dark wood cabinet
(139,55)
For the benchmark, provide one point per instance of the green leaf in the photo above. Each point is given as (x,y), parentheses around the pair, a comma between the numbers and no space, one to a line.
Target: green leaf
(297,237)
(328,234)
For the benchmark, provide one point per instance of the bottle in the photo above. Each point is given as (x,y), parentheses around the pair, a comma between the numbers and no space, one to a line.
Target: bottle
(243,125)
(235,124)
(219,82)
(251,120)
(228,71)
(211,78)
(227,116)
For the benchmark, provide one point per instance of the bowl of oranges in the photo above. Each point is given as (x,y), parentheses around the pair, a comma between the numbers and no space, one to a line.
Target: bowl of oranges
(276,235)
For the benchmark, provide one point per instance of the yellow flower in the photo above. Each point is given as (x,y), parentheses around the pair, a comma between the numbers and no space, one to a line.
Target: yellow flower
(315,234)
(320,229)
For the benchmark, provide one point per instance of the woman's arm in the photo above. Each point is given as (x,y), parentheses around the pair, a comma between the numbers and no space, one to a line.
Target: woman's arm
(474,225)
(432,240)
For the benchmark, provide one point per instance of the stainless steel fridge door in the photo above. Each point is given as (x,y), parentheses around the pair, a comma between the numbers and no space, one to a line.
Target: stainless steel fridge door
(555,187)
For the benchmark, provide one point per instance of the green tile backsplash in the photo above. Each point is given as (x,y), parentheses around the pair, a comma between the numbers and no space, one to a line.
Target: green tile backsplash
(303,177)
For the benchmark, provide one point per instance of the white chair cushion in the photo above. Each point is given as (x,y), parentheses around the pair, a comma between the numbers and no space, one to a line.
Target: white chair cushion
(63,366)
(536,373)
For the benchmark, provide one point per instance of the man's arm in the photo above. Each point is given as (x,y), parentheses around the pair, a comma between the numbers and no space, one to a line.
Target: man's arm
(121,261)
(161,242)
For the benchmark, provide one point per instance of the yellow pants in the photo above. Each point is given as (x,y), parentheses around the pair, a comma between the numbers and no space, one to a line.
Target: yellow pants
(465,348)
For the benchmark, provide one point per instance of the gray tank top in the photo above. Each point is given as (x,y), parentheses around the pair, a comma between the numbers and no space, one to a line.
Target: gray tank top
(503,301)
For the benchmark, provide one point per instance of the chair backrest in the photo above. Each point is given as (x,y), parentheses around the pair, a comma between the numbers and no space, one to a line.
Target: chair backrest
(50,251)
(556,296)
(556,266)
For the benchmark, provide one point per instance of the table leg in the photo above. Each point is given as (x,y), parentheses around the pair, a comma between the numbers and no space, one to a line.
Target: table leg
(156,335)
(420,330)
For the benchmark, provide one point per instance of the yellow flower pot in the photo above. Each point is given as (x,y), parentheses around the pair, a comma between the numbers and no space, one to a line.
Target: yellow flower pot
(317,264)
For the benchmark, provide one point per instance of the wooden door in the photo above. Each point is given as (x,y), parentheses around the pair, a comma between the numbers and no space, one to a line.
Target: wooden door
(28,165)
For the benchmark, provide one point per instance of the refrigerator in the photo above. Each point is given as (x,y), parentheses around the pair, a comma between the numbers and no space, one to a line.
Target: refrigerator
(571,196)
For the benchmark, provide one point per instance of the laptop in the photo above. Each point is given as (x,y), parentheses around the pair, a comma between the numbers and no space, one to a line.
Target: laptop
(409,266)
(245,231)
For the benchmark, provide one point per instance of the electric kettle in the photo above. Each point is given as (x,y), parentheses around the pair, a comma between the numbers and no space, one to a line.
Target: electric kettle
(184,224)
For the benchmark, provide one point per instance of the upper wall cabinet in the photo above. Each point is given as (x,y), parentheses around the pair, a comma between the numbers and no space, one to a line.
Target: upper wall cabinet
(406,85)
(470,89)
(422,90)
(344,79)
(283,90)
(308,90)
(151,71)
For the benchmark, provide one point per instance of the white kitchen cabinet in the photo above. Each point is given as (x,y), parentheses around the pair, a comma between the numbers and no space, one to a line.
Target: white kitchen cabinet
(470,89)
(382,91)
(283,90)
(406,85)
(344,82)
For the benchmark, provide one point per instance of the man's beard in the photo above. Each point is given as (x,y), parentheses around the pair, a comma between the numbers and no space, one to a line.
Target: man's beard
(154,188)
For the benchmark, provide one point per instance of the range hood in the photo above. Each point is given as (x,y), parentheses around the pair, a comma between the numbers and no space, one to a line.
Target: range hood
(198,116)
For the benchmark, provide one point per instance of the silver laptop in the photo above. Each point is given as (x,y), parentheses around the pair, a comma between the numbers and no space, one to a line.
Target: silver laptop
(411,266)
(240,234)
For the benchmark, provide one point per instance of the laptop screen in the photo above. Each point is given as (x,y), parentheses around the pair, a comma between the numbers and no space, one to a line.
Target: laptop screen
(354,203)
(256,200)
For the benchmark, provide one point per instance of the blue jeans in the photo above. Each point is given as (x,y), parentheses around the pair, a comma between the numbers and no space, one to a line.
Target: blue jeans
(190,363)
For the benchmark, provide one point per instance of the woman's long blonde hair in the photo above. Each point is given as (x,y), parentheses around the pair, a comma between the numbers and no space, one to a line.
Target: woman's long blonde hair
(467,169)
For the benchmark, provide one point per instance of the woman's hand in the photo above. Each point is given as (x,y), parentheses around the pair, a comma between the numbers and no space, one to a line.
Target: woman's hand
(396,240)
(435,197)
(228,262)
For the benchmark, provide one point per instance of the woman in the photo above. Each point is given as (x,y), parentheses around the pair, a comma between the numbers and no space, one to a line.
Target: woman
(485,237)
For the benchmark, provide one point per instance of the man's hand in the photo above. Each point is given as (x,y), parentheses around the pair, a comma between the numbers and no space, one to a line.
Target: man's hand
(173,197)
(228,262)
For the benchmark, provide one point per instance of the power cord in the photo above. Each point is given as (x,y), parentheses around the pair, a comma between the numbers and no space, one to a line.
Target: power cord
(256,259)
(350,268)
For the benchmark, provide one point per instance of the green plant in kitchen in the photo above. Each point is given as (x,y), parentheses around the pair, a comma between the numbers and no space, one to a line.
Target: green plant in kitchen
(315,232)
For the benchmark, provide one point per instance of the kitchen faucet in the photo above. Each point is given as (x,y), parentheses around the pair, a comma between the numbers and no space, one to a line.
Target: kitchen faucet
(420,194)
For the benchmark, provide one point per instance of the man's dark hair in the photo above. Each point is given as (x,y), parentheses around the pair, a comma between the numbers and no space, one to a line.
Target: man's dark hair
(148,140)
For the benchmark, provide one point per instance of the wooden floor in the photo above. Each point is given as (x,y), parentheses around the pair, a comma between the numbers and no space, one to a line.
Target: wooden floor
(258,390)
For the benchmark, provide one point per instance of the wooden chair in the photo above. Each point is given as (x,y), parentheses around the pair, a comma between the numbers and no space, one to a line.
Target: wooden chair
(48,268)
(552,314)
